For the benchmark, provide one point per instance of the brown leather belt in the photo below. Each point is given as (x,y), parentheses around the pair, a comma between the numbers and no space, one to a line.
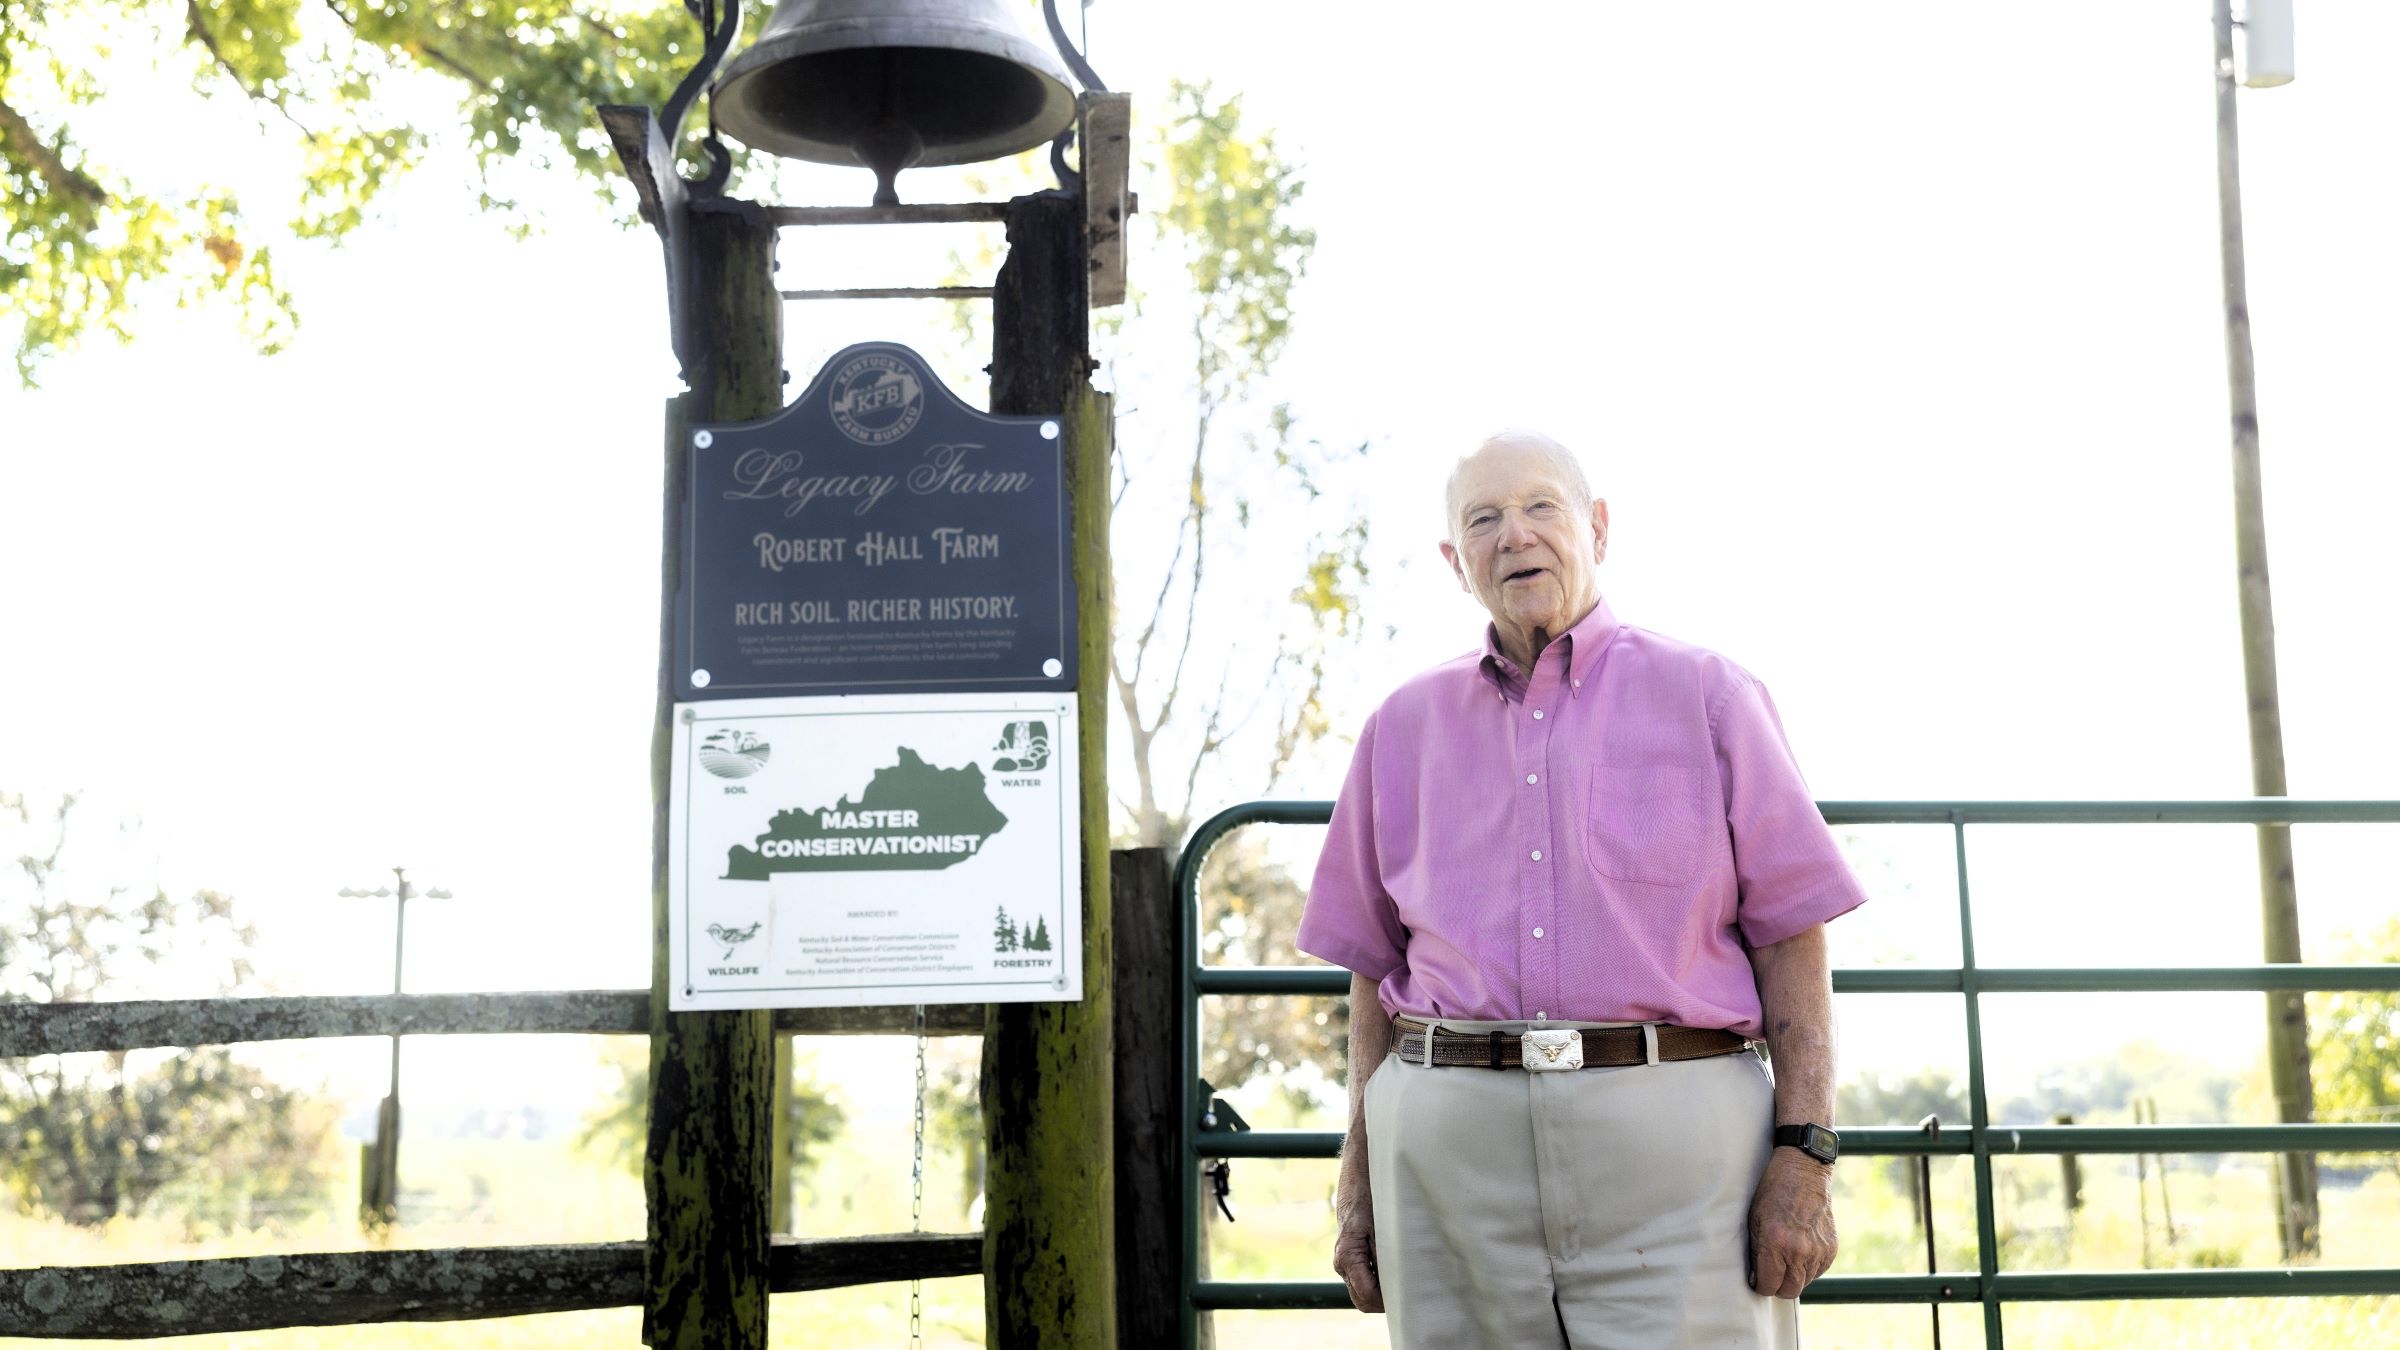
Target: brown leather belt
(1614,1047)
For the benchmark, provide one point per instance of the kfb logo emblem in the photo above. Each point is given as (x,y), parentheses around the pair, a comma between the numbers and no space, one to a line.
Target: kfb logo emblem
(876,398)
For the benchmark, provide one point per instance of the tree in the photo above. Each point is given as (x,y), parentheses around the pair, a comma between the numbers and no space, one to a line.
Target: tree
(1004,932)
(1895,1099)
(1253,912)
(100,1136)
(2357,1042)
(616,1128)
(82,241)
(1229,223)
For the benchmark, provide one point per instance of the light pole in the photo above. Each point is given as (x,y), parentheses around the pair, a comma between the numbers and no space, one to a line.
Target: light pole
(379,1172)
(2267,44)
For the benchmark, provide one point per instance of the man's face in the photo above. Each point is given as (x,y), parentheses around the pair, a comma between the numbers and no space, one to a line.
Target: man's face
(1519,542)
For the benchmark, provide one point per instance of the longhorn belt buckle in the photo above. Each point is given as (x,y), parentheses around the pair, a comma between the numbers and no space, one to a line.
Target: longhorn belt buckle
(1552,1051)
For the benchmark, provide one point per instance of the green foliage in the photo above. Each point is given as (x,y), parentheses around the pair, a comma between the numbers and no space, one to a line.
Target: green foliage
(1229,220)
(617,1130)
(106,1136)
(80,242)
(1251,909)
(2355,1037)
(224,1145)
(1229,224)
(2104,1088)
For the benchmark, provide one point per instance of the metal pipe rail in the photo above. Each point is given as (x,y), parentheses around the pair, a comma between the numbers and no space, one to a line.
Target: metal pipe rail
(1978,1140)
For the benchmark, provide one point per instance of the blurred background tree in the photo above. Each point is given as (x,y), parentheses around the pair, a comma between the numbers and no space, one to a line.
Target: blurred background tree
(356,91)
(94,1137)
(2356,1035)
(616,1129)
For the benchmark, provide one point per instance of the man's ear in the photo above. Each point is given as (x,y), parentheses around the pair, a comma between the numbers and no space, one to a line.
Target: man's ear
(1458,569)
(1599,530)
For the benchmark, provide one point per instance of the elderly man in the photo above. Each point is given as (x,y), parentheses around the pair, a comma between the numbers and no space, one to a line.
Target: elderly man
(1576,875)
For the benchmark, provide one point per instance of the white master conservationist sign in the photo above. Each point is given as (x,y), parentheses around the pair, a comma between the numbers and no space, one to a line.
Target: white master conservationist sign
(875,849)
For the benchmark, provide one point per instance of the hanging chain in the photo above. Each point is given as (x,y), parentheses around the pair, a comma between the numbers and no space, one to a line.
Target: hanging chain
(916,1193)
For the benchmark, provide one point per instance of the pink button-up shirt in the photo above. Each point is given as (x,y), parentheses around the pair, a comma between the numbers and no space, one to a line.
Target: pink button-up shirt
(1600,840)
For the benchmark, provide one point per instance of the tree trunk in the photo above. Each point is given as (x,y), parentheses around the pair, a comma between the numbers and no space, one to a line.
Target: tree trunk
(2279,899)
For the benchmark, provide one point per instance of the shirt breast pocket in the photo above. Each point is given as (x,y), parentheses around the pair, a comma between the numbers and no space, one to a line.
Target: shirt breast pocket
(1650,823)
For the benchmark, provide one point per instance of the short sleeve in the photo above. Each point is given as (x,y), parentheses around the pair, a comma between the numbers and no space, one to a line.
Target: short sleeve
(1350,919)
(1790,871)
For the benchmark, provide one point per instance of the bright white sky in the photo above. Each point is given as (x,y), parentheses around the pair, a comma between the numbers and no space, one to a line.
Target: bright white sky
(1891,332)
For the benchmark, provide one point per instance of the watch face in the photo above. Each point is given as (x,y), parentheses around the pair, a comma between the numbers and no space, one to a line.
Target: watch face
(1822,1143)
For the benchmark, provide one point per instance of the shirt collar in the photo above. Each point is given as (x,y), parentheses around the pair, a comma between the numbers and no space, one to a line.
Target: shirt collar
(1584,642)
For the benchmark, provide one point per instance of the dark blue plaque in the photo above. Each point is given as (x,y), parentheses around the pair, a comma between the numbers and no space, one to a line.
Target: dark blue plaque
(878,535)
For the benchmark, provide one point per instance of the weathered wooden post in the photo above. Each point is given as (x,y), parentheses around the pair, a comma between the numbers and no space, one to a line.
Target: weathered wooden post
(1149,1208)
(1049,1231)
(704,1165)
(706,1168)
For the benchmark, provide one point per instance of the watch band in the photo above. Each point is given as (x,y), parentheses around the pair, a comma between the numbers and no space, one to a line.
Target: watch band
(1817,1141)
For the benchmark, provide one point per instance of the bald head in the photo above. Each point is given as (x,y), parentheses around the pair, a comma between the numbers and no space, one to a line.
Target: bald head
(1520,445)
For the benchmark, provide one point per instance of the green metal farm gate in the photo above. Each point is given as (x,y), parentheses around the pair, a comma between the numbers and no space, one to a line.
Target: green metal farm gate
(1205,1136)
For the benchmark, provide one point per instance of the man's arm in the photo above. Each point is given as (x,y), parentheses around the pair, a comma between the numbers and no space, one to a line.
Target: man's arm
(1353,1207)
(1792,1240)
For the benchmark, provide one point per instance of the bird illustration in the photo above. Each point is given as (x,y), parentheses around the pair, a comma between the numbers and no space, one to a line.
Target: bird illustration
(731,937)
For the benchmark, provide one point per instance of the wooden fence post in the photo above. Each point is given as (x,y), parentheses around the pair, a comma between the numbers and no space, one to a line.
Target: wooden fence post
(1149,1207)
(705,1170)
(1049,1216)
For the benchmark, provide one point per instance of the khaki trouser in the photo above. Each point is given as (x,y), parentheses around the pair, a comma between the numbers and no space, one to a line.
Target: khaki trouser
(1597,1209)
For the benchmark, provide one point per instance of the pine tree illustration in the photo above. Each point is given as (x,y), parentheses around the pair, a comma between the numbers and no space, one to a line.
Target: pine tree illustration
(1040,941)
(1004,933)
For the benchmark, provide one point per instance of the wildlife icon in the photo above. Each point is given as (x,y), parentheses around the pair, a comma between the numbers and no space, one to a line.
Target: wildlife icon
(731,753)
(1024,748)
(731,937)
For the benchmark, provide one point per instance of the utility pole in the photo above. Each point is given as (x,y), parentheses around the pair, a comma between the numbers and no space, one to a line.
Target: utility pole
(2279,898)
(379,1161)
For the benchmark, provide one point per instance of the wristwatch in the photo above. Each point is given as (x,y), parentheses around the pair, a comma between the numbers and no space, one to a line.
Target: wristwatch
(1814,1140)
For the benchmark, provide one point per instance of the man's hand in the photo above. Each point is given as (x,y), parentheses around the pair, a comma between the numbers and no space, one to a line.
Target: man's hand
(1353,1199)
(1354,1239)
(1791,1224)
(1354,1260)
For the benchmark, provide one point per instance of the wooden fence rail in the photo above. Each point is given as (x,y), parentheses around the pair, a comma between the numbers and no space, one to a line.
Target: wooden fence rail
(136,1024)
(183,1298)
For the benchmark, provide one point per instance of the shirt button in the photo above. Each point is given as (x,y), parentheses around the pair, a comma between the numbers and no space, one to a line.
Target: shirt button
(1577,683)
(1537,932)
(1533,778)
(1537,855)
(1537,714)
(1541,1016)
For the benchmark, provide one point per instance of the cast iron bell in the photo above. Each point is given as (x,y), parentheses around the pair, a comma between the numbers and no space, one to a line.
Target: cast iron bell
(891,83)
